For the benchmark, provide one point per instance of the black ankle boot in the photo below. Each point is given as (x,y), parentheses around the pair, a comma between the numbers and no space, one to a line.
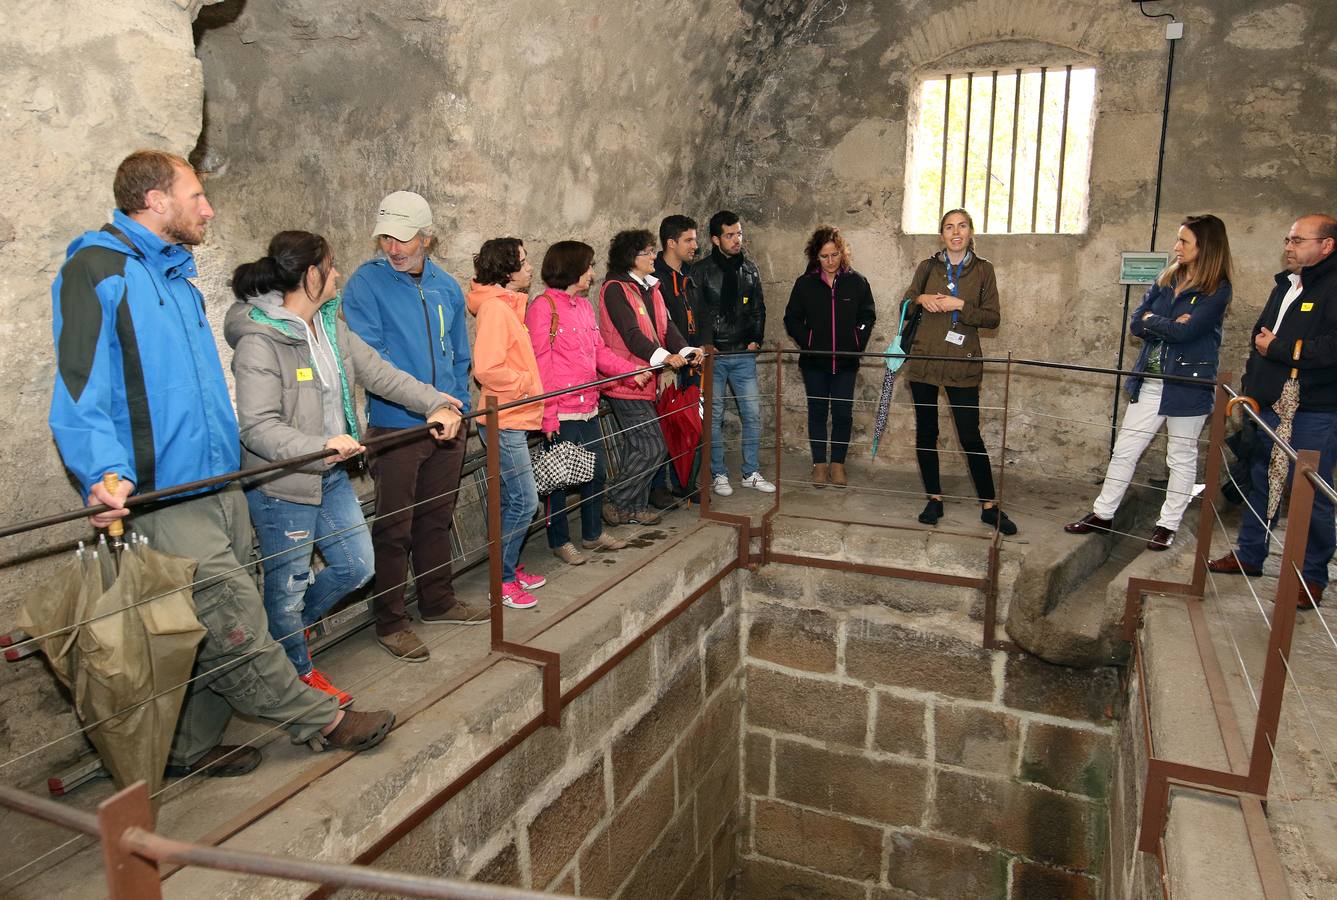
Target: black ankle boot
(993,516)
(932,512)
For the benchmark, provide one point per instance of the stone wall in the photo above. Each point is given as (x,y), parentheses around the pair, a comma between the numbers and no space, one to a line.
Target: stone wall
(636,796)
(886,755)
(825,137)
(84,84)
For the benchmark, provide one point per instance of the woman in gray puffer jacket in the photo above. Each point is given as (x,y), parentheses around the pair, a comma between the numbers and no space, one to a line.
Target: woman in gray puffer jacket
(295,363)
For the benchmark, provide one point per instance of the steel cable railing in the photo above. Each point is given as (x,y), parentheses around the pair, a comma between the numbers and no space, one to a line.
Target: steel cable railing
(489,488)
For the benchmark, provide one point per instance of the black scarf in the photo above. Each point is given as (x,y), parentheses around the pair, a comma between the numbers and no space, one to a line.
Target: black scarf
(730,266)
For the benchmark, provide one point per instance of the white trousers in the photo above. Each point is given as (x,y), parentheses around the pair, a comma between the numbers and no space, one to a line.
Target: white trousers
(1140,424)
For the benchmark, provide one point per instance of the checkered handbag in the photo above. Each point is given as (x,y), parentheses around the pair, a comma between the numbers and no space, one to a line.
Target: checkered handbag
(560,464)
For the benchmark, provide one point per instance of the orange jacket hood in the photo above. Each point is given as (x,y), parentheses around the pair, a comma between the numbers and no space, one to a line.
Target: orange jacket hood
(504,362)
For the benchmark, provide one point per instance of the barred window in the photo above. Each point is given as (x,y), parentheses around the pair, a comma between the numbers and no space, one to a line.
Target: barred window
(1011,146)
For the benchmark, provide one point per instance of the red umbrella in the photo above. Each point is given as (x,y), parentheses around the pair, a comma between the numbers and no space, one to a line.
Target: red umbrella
(679,412)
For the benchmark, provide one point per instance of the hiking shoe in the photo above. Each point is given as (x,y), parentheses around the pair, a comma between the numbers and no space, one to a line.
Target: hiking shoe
(458,613)
(223,761)
(514,595)
(605,541)
(614,516)
(568,554)
(404,645)
(720,485)
(316,679)
(660,498)
(995,517)
(932,512)
(644,517)
(357,731)
(757,483)
(527,581)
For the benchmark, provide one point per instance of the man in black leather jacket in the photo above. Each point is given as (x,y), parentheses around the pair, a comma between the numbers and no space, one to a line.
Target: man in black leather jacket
(727,290)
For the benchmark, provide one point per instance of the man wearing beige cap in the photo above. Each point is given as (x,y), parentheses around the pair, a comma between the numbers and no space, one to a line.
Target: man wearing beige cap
(412,313)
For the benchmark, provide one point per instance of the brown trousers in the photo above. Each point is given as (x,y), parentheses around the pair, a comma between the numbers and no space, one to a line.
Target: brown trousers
(416,485)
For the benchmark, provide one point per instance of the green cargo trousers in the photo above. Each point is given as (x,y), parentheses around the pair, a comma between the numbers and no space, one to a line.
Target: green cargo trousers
(238,666)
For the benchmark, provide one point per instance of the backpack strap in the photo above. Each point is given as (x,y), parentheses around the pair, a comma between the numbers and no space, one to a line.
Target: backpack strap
(552,324)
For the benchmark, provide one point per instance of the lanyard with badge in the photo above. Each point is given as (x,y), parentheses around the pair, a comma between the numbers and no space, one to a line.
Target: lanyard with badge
(954,285)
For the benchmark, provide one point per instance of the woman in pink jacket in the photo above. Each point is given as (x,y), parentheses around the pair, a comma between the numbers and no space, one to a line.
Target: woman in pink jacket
(570,352)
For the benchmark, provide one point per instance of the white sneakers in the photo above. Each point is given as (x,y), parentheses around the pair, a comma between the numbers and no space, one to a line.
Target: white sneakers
(720,484)
(756,482)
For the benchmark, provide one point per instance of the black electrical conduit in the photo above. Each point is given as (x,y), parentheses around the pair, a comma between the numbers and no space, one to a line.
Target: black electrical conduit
(1155,213)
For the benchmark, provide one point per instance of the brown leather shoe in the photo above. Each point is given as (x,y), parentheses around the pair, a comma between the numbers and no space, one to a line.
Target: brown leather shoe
(568,554)
(404,645)
(1087,524)
(605,541)
(1161,539)
(837,475)
(1310,595)
(357,731)
(224,761)
(819,475)
(459,613)
(1230,565)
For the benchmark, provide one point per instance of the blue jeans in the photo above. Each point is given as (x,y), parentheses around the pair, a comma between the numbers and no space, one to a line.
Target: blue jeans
(294,600)
(582,433)
(740,373)
(519,497)
(1310,431)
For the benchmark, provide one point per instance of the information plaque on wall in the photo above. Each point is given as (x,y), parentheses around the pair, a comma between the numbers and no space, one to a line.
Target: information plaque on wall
(1141,267)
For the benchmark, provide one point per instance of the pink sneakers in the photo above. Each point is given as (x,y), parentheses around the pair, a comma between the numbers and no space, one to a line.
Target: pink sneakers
(514,595)
(527,581)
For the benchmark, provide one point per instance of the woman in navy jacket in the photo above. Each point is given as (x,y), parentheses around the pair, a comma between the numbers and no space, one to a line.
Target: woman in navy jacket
(1179,321)
(830,308)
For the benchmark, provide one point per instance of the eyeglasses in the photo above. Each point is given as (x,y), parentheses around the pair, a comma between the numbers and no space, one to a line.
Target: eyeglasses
(649,251)
(1292,241)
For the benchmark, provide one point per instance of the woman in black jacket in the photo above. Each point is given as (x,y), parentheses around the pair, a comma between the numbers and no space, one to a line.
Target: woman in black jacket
(830,309)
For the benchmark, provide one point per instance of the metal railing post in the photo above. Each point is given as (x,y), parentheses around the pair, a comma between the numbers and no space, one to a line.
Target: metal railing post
(703,475)
(496,611)
(1289,586)
(1207,512)
(129,876)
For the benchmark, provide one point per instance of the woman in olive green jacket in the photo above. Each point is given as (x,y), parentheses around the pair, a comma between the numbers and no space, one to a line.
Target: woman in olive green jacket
(956,295)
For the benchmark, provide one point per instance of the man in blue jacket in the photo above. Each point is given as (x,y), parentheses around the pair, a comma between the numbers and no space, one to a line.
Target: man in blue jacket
(140,393)
(412,313)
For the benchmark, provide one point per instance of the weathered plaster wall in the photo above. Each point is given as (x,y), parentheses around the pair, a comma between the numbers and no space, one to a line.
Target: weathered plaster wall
(1250,139)
(539,120)
(83,84)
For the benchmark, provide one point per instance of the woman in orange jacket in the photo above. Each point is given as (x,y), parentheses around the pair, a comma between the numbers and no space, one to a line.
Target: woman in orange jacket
(504,366)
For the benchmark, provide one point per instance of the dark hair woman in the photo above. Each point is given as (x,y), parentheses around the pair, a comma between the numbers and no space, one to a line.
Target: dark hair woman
(1179,322)
(570,352)
(296,364)
(830,308)
(635,324)
(957,295)
(504,366)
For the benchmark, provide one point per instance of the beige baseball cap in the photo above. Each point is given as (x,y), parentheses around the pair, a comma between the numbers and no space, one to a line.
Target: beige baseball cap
(401,215)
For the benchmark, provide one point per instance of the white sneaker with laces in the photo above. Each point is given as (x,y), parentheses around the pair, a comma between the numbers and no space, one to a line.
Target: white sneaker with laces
(756,482)
(720,485)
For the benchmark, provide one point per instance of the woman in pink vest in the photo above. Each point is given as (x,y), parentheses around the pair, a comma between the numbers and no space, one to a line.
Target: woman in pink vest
(636,327)
(570,352)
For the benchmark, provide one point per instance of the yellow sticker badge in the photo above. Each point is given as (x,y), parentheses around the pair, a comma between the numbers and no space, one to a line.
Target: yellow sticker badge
(303,374)
(745,301)
(1306,307)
